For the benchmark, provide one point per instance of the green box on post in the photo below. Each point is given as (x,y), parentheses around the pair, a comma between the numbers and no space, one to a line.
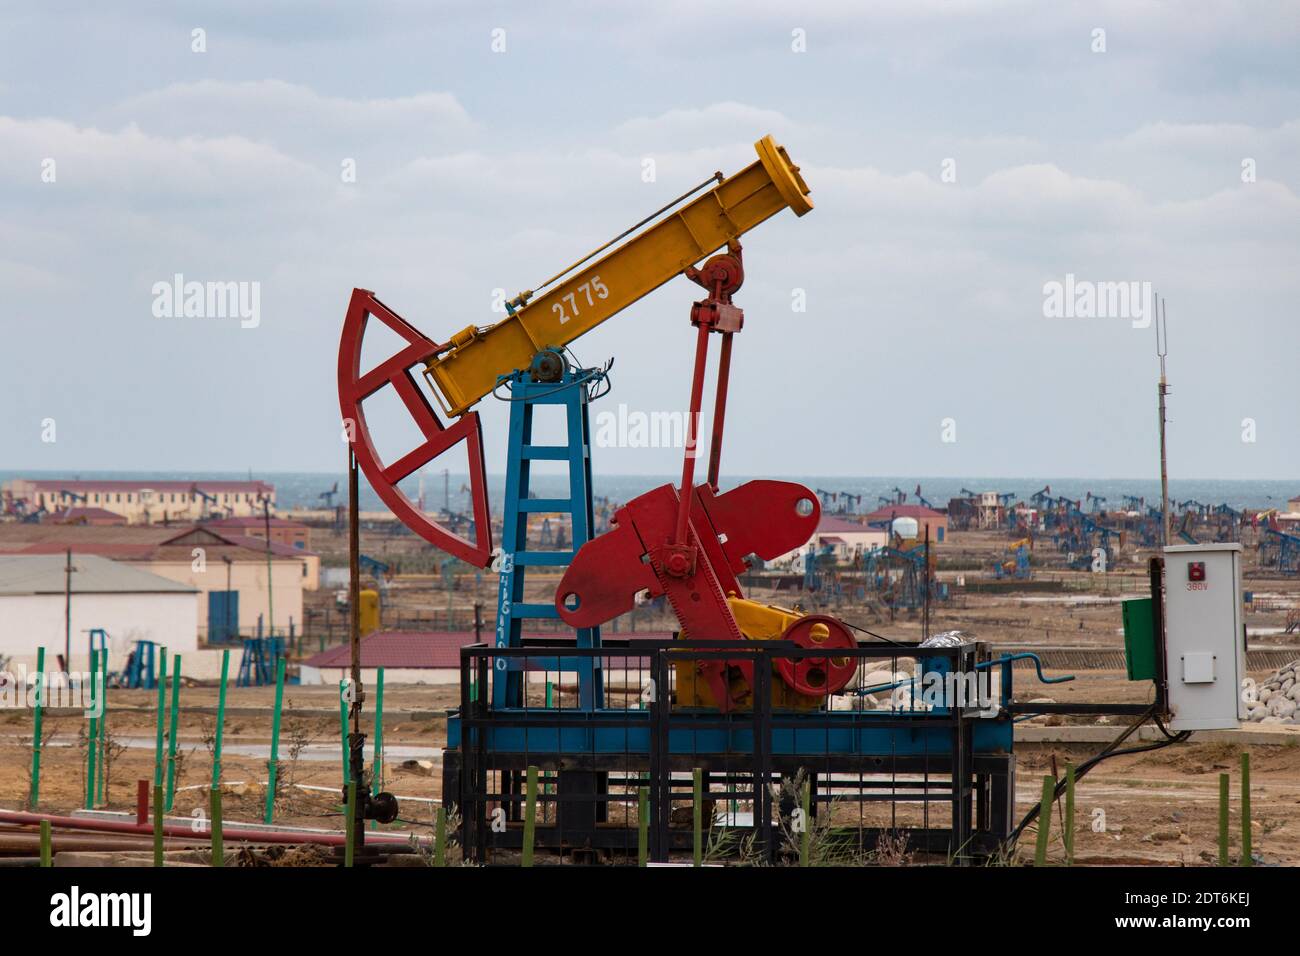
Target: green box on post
(1139,639)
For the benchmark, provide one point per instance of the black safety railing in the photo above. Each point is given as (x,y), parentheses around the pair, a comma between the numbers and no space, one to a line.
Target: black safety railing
(603,726)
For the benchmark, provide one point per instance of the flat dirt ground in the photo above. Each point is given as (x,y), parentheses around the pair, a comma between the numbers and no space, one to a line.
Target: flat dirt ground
(310,753)
(1157,808)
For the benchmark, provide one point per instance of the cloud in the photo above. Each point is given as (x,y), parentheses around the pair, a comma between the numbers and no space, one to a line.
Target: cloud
(676,130)
(297,119)
(130,162)
(1206,156)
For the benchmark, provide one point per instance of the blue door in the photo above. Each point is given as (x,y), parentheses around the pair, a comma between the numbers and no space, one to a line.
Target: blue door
(223,616)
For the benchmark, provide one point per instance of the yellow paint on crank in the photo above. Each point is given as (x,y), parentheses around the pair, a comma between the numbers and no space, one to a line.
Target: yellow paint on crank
(758,622)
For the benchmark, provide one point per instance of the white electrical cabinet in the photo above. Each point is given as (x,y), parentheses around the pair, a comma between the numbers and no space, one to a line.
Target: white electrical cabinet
(1205,642)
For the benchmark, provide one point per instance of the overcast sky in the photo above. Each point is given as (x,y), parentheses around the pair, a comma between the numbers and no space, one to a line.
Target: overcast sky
(1171,156)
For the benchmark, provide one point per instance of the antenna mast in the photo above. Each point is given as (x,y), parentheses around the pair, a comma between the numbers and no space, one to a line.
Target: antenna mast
(1162,349)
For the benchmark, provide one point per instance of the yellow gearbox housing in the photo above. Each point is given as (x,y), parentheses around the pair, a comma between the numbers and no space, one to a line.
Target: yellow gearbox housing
(757,622)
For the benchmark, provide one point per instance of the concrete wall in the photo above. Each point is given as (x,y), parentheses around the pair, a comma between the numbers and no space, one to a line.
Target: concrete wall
(938,525)
(249,579)
(206,665)
(29,621)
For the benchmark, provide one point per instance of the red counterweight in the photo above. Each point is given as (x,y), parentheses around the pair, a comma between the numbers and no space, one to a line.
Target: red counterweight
(689,543)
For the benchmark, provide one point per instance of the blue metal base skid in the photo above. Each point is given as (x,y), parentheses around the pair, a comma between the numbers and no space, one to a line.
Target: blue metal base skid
(588,802)
(628,732)
(935,778)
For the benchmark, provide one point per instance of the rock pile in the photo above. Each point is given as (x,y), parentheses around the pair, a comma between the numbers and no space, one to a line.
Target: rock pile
(1274,699)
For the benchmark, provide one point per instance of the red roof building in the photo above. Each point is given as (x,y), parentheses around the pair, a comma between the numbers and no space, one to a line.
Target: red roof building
(91,516)
(293,534)
(834,524)
(143,501)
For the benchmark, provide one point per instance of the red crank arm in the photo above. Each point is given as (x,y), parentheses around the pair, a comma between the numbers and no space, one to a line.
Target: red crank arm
(759,517)
(354,388)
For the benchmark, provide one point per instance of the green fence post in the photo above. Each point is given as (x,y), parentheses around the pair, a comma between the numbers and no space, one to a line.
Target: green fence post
(273,767)
(440,838)
(162,715)
(1069,815)
(102,777)
(34,797)
(218,844)
(343,733)
(221,720)
(92,740)
(171,729)
(1044,820)
(1246,843)
(1223,819)
(377,768)
(698,811)
(805,804)
(47,849)
(157,825)
(643,827)
(530,817)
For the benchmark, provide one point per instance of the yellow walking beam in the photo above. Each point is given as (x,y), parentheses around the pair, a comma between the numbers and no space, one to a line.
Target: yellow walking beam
(477,357)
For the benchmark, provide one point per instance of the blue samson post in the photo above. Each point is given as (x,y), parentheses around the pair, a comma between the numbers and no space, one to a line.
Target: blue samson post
(570,388)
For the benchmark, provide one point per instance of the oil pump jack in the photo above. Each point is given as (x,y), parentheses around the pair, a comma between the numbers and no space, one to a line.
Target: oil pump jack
(688,541)
(751,699)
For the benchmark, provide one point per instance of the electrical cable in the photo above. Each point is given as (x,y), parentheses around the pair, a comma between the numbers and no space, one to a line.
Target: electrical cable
(592,393)
(592,378)
(879,637)
(1105,754)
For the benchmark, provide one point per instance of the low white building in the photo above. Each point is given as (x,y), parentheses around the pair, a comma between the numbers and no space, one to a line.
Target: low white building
(848,538)
(129,604)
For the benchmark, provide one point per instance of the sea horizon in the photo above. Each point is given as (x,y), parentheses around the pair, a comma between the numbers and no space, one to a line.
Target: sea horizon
(863,493)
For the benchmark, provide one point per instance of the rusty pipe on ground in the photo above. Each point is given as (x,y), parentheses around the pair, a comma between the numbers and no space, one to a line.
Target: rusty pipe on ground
(236,834)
